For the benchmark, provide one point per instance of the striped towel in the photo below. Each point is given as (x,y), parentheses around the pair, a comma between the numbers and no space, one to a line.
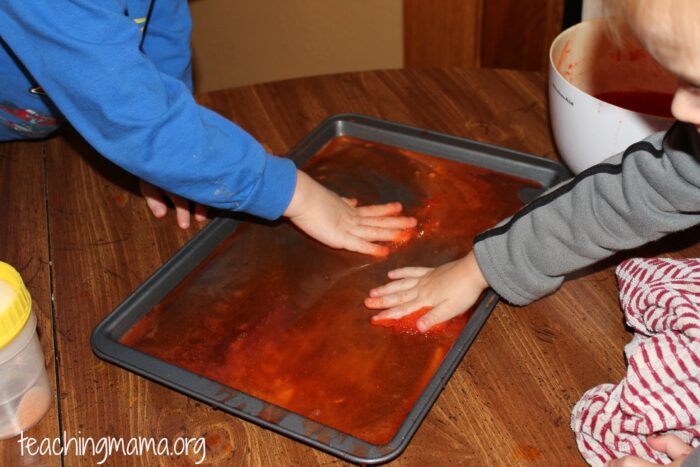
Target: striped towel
(661,390)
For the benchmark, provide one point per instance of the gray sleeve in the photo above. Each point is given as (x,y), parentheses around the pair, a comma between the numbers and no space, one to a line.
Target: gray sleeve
(652,189)
(693,459)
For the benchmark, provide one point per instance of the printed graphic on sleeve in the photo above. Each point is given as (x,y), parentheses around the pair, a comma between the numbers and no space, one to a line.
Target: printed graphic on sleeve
(27,123)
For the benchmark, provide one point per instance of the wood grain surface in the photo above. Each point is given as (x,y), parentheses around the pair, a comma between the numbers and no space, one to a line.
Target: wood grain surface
(510,399)
(24,243)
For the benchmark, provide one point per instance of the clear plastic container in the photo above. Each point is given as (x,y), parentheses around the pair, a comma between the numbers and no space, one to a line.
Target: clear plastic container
(25,392)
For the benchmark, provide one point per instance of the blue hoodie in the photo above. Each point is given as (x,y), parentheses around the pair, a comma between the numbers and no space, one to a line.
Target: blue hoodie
(120,72)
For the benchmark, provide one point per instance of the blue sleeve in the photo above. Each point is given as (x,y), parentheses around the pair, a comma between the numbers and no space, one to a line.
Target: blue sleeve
(86,56)
(166,41)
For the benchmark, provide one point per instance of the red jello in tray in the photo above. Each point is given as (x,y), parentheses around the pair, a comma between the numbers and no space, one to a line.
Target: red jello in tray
(278,316)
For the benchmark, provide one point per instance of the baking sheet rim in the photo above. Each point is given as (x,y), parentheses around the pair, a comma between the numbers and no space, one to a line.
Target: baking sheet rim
(106,346)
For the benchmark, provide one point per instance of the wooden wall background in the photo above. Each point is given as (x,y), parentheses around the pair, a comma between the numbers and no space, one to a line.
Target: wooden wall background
(480,33)
(241,42)
(251,41)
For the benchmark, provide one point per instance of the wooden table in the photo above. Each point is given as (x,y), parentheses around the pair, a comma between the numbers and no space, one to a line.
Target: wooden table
(77,230)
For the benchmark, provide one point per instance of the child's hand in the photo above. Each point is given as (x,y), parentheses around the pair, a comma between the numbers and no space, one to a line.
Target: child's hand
(670,445)
(339,223)
(156,202)
(450,289)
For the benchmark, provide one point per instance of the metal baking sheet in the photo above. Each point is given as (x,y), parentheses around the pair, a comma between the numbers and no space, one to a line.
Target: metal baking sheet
(106,336)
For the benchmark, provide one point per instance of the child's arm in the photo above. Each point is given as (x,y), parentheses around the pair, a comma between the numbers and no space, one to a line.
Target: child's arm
(630,199)
(650,190)
(87,57)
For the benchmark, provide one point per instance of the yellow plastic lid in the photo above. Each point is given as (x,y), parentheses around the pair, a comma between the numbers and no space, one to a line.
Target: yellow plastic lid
(15,304)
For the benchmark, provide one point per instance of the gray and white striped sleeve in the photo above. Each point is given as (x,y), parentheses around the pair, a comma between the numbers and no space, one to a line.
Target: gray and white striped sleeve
(650,190)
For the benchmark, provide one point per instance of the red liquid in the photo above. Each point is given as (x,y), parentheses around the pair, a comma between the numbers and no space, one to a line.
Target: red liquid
(647,102)
(281,317)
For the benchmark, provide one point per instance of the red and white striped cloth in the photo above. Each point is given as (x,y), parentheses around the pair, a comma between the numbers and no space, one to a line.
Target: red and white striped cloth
(661,390)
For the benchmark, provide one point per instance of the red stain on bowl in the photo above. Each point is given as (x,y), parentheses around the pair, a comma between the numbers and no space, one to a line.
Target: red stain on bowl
(564,53)
(568,73)
(566,70)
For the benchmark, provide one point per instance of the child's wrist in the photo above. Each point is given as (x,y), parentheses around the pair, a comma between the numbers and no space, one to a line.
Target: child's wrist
(300,196)
(473,273)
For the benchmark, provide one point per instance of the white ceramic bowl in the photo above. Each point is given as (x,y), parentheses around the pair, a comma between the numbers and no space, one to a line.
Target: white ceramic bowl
(584,61)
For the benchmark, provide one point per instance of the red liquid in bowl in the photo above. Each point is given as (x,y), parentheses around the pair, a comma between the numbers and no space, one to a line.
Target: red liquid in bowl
(647,102)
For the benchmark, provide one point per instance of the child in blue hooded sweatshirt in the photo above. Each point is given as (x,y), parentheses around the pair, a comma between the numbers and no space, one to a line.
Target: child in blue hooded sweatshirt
(120,72)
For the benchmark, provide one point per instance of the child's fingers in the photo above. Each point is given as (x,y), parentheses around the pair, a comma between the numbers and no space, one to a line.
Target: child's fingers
(671,445)
(183,217)
(358,245)
(389,222)
(404,273)
(379,210)
(154,199)
(401,310)
(182,210)
(392,300)
(437,315)
(352,202)
(393,287)
(156,205)
(200,212)
(376,234)
(630,461)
